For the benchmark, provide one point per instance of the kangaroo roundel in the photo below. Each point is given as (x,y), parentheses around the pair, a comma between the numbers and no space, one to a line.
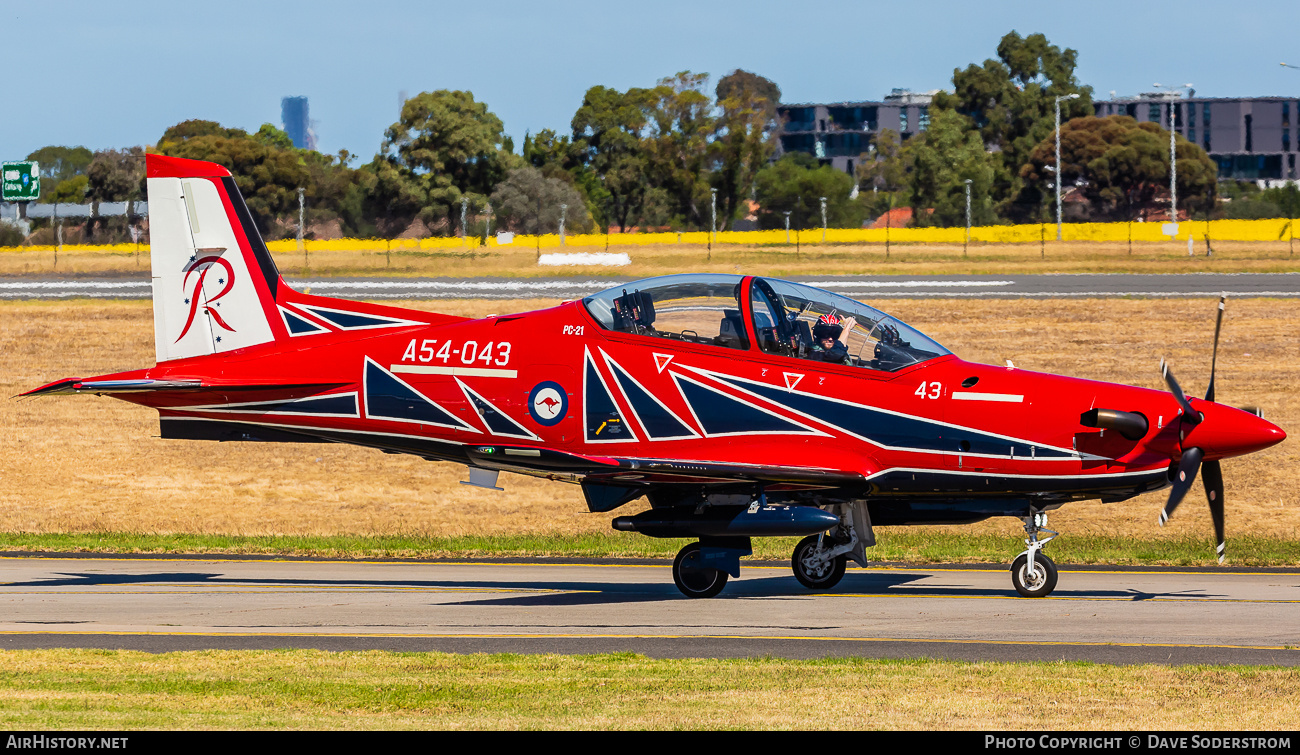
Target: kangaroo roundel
(548,403)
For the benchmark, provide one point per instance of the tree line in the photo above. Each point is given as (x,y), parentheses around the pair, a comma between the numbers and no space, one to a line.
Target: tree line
(683,155)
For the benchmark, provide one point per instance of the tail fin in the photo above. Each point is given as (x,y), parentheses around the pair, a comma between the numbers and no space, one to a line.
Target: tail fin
(214,282)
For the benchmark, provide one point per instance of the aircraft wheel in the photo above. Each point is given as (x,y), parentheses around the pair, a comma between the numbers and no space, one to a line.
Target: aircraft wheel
(812,574)
(1040,583)
(694,580)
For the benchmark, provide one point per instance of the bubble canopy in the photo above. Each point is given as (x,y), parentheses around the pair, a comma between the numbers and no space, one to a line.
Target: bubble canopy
(789,319)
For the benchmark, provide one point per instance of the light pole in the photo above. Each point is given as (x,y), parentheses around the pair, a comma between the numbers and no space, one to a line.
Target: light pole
(1292,226)
(823,219)
(713,216)
(1058,159)
(787,226)
(967,243)
(301,214)
(1297,68)
(1173,161)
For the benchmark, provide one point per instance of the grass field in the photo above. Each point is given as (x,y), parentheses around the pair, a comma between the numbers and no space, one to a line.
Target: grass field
(89,474)
(93,468)
(299,689)
(776,260)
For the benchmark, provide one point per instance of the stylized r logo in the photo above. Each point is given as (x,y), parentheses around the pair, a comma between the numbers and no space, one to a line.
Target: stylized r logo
(203,265)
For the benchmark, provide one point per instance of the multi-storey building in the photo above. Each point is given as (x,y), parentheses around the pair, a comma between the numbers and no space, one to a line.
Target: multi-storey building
(839,134)
(1251,138)
(294,114)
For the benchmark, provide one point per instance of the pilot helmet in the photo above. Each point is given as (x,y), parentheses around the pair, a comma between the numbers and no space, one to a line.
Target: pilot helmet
(828,326)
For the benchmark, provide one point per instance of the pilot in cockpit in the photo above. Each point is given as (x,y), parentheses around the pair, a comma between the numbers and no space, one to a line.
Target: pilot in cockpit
(826,334)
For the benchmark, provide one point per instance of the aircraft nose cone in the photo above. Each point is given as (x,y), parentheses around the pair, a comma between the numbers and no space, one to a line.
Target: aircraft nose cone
(1232,432)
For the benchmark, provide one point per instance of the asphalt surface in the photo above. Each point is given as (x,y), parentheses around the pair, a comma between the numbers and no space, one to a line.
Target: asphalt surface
(1281,285)
(970,613)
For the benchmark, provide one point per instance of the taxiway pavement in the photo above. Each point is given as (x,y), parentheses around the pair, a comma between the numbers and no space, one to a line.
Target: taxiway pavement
(1103,615)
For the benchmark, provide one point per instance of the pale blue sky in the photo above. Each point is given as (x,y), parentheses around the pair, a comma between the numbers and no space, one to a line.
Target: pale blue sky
(112,74)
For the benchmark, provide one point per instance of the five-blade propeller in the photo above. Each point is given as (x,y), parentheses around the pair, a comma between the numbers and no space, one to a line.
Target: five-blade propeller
(1191,461)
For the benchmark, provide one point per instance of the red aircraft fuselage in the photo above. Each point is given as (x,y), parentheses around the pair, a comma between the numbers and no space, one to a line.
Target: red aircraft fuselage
(942,431)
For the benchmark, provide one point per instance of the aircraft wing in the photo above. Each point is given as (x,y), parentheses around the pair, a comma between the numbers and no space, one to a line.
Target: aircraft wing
(654,471)
(609,482)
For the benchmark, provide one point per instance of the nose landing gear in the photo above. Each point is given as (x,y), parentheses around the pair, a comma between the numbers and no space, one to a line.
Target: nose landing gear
(1033,574)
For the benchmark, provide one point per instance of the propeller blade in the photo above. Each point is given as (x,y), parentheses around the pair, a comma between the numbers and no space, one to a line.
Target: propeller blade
(1190,415)
(1218,323)
(1212,477)
(1186,476)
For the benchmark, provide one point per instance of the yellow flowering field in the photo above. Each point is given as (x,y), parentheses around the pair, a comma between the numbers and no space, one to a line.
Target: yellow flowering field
(1217,230)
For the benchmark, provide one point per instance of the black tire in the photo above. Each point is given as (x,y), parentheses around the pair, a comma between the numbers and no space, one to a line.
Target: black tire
(693,580)
(824,578)
(1034,586)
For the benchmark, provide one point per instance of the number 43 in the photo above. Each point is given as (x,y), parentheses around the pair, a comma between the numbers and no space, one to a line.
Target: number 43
(929,390)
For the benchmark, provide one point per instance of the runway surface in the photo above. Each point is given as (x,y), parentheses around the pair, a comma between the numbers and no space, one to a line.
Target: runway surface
(972,613)
(1282,285)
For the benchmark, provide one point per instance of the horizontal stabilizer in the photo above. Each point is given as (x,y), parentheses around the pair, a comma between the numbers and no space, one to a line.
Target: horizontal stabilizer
(71,386)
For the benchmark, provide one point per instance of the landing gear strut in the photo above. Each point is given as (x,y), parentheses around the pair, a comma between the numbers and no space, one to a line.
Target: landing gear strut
(813,564)
(1032,573)
(819,560)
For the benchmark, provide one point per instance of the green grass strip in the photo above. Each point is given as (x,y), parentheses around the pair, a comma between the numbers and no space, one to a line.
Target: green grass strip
(48,690)
(907,546)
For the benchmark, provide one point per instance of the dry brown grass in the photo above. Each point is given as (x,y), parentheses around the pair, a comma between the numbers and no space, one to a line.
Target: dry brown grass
(778,260)
(85,464)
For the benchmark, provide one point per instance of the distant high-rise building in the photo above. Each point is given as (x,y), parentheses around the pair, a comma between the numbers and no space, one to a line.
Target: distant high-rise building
(1248,137)
(297,123)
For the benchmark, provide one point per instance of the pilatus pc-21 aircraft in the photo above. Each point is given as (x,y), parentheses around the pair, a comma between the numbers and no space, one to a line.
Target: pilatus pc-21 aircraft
(738,406)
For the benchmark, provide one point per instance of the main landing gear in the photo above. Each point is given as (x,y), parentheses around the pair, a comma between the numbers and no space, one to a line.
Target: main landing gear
(695,578)
(815,564)
(819,560)
(1032,573)
(701,569)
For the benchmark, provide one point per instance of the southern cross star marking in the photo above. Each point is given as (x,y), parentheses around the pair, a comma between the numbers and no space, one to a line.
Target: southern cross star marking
(187,301)
(218,339)
(221,281)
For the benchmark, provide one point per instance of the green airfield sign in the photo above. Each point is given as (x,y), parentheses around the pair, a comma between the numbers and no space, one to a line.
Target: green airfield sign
(22,181)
